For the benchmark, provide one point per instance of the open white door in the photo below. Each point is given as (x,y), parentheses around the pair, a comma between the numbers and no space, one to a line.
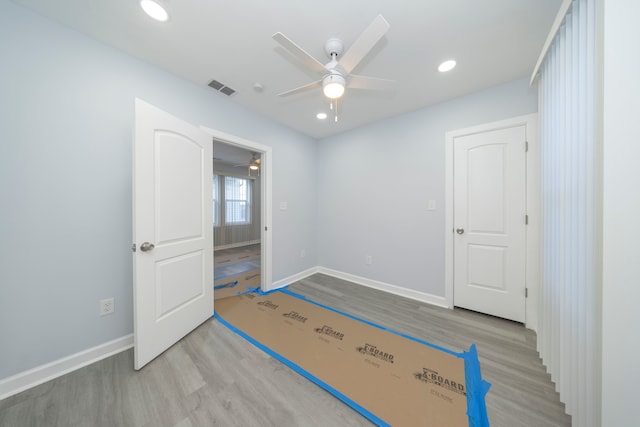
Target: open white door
(172,230)
(489,221)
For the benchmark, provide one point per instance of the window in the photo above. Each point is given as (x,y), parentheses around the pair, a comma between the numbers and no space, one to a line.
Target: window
(231,200)
(237,199)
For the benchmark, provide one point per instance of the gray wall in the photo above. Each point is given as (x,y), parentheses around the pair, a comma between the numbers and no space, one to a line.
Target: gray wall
(374,184)
(66,111)
(621,210)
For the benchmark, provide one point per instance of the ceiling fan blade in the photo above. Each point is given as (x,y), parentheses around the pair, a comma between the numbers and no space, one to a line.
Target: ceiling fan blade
(301,89)
(365,42)
(372,83)
(300,53)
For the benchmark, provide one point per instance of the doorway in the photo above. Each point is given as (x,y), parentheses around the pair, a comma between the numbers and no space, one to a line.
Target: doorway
(491,219)
(248,246)
(236,219)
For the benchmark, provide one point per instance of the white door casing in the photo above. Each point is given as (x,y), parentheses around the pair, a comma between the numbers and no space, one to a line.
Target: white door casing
(532,210)
(266,174)
(173,282)
(489,218)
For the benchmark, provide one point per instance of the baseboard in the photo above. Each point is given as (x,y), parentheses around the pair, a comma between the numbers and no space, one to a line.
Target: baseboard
(381,286)
(386,287)
(41,374)
(236,245)
(294,278)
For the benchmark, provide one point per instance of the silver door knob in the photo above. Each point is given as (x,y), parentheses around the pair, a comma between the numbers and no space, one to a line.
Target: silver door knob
(458,230)
(146,247)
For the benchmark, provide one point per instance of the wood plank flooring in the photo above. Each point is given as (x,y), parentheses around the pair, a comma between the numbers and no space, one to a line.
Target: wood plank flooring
(212,377)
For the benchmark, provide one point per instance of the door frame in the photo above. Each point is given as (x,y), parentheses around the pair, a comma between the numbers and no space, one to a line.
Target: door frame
(533,177)
(266,161)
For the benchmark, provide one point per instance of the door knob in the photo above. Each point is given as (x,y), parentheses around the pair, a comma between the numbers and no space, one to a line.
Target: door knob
(458,230)
(146,247)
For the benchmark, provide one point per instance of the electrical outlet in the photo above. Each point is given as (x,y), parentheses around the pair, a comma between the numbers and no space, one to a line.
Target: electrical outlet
(106,306)
(368,260)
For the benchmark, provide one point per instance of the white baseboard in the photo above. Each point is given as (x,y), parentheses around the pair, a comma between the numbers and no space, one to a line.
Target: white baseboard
(41,374)
(386,287)
(294,278)
(236,245)
(381,286)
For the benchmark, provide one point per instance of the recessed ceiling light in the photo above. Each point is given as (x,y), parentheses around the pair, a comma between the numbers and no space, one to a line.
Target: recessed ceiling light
(447,66)
(154,10)
(321,116)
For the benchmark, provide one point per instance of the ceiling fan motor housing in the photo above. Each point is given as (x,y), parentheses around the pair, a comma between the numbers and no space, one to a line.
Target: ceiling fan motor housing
(333,47)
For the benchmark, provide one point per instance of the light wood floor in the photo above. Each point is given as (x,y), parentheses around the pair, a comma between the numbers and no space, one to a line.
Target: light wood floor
(213,377)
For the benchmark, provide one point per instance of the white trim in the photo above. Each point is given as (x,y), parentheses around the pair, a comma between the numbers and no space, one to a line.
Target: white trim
(363,281)
(236,245)
(41,374)
(266,177)
(386,287)
(562,12)
(530,121)
(294,278)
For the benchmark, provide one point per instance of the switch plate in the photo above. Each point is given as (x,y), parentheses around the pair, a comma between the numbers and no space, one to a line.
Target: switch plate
(368,260)
(284,206)
(432,205)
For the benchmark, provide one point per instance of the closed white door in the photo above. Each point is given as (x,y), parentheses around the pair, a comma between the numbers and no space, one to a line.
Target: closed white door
(489,222)
(173,231)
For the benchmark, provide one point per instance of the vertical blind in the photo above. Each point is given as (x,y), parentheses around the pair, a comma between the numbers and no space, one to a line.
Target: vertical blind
(568,332)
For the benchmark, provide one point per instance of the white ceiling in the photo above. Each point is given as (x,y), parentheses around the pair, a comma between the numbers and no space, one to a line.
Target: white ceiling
(493,41)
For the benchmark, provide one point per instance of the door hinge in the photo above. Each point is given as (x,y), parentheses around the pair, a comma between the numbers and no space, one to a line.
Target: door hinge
(526,146)
(526,292)
(265,229)
(133,247)
(526,219)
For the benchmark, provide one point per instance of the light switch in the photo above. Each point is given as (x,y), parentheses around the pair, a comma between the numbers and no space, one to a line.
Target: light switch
(432,205)
(283,206)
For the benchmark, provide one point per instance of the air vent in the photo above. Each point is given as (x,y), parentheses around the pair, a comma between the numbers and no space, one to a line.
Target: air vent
(227,91)
(220,87)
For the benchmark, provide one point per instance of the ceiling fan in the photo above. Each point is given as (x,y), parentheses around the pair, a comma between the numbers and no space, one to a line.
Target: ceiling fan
(336,74)
(253,165)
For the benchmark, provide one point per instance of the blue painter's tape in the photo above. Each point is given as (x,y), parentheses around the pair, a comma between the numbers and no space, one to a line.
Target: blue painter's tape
(476,387)
(226,285)
(304,298)
(258,291)
(363,411)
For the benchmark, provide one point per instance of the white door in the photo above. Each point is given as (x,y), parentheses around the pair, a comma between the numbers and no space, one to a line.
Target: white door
(489,222)
(172,229)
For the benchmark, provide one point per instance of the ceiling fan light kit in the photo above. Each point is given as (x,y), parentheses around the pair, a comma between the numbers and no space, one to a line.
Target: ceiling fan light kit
(336,74)
(333,85)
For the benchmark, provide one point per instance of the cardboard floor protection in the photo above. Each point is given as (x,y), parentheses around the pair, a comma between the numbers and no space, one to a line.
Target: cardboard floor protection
(389,378)
(230,286)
